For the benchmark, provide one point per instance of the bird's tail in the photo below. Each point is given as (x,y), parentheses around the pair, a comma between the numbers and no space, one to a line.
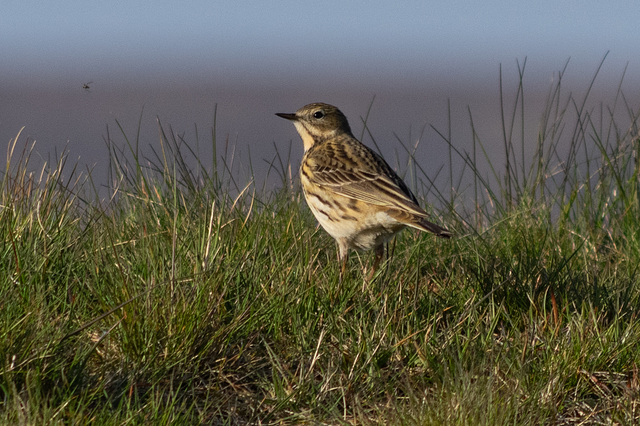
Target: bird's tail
(438,230)
(419,222)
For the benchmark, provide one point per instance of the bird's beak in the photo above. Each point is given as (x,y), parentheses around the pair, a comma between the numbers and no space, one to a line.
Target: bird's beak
(288,116)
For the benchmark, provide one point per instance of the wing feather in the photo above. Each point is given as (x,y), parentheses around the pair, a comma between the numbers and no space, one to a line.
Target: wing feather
(357,172)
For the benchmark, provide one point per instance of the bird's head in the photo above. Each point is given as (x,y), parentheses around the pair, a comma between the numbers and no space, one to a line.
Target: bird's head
(318,121)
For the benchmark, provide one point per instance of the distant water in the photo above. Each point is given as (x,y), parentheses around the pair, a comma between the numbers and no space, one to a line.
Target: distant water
(69,115)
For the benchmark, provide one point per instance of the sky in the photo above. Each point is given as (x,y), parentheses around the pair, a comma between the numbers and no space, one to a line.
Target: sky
(180,61)
(267,39)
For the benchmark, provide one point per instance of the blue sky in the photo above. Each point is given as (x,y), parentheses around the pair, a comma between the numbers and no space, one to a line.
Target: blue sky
(268,38)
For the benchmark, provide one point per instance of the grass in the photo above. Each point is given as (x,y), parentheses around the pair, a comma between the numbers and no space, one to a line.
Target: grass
(188,297)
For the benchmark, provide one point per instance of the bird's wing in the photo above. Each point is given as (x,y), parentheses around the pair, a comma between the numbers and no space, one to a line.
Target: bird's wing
(359,173)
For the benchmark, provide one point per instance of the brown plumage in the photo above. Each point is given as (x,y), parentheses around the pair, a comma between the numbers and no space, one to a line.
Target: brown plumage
(353,193)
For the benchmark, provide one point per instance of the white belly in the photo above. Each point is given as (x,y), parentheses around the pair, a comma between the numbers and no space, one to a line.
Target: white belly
(364,234)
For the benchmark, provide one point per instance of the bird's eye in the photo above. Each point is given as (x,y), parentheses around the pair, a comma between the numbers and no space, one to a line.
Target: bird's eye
(318,114)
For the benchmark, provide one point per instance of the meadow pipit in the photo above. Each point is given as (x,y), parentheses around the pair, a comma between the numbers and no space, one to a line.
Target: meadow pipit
(354,194)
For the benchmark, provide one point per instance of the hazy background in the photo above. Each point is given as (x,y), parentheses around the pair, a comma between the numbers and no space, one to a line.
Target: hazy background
(177,60)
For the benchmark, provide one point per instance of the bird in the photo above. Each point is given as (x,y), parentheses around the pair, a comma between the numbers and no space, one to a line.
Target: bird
(351,190)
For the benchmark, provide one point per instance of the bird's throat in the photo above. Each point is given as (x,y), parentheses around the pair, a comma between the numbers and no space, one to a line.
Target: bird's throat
(307,139)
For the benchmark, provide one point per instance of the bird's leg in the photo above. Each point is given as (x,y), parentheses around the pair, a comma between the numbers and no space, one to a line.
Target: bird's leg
(342,258)
(379,251)
(343,268)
